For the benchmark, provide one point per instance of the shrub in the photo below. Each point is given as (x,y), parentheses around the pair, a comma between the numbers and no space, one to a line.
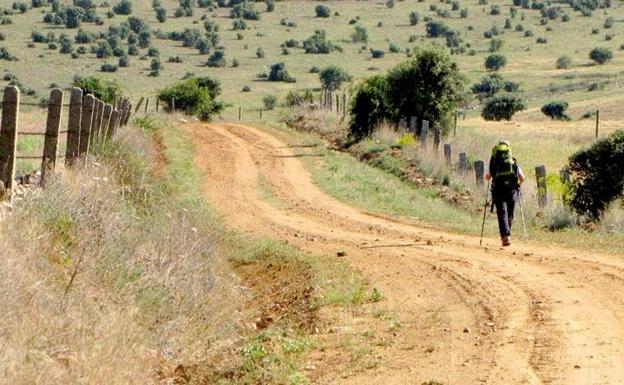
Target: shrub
(564,62)
(601,55)
(155,65)
(270,5)
(195,96)
(259,53)
(491,85)
(278,73)
(239,24)
(541,40)
(269,102)
(38,37)
(66,44)
(246,88)
(439,91)
(245,11)
(124,61)
(393,48)
(436,29)
(414,18)
(103,50)
(359,35)
(556,110)
(318,44)
(105,90)
(495,9)
(322,11)
(496,45)
(315,70)
(153,52)
(502,107)
(463,13)
(217,59)
(598,175)
(107,67)
(145,39)
(161,15)
(83,37)
(124,7)
(73,17)
(333,76)
(377,53)
(495,62)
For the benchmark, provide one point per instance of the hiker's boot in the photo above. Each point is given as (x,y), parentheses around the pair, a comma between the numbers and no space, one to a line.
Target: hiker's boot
(506,240)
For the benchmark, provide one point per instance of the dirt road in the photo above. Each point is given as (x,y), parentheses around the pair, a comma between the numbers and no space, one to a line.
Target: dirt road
(470,314)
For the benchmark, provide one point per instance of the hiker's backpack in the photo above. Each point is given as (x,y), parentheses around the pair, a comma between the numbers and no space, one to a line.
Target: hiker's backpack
(504,168)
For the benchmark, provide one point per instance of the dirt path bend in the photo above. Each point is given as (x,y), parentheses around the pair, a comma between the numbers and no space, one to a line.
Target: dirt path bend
(470,315)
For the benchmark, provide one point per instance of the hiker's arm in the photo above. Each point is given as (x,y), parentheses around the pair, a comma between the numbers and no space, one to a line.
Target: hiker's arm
(521,176)
(488,175)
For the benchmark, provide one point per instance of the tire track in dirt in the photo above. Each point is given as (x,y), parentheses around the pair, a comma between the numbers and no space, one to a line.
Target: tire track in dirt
(528,325)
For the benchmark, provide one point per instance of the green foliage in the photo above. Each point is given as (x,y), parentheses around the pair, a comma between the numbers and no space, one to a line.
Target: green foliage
(359,35)
(414,18)
(556,110)
(269,102)
(259,53)
(318,43)
(492,84)
(239,24)
(598,175)
(103,50)
(108,67)
(333,76)
(601,55)
(322,11)
(436,93)
(564,62)
(496,45)
(502,107)
(495,62)
(436,29)
(105,90)
(377,53)
(217,59)
(124,7)
(245,11)
(270,5)
(278,73)
(161,15)
(196,96)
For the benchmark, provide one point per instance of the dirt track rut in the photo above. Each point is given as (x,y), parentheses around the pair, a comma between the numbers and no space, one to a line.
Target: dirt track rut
(537,315)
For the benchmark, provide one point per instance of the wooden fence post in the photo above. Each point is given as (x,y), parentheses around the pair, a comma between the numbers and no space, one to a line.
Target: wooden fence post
(50,143)
(448,154)
(123,111)
(106,116)
(240,113)
(597,122)
(86,119)
(128,114)
(157,104)
(73,126)
(479,167)
(113,122)
(261,113)
(146,104)
(97,120)
(436,138)
(413,125)
(455,124)
(423,134)
(463,163)
(8,139)
(136,109)
(542,194)
(173,105)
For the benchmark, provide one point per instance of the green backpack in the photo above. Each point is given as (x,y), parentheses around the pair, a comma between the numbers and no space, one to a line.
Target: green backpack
(503,169)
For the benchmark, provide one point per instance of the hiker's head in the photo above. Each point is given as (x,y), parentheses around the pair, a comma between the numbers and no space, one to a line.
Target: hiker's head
(505,142)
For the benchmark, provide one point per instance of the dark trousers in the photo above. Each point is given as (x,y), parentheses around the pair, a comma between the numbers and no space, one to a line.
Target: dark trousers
(505,202)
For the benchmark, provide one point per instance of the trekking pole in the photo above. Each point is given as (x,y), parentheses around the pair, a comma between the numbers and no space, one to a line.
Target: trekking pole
(485,205)
(522,215)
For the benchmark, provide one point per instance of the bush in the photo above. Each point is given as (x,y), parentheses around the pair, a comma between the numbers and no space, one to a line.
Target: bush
(564,62)
(124,61)
(393,48)
(541,40)
(155,65)
(195,96)
(245,11)
(217,59)
(322,11)
(601,55)
(556,110)
(377,53)
(318,44)
(38,37)
(502,107)
(496,45)
(270,5)
(161,15)
(103,50)
(259,53)
(269,102)
(124,7)
(247,88)
(107,67)
(278,73)
(491,85)
(105,90)
(414,18)
(359,35)
(463,13)
(437,96)
(436,29)
(332,77)
(598,175)
(239,25)
(495,62)
(153,52)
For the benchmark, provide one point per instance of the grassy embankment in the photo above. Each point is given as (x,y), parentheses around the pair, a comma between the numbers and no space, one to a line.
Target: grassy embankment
(121,270)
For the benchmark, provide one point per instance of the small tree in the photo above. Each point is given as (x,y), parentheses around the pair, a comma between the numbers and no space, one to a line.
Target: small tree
(269,101)
(359,35)
(598,175)
(491,85)
(495,62)
(105,90)
(332,77)
(556,110)
(195,96)
(369,107)
(322,11)
(414,18)
(564,62)
(502,107)
(259,53)
(161,15)
(496,45)
(217,59)
(124,7)
(278,73)
(436,29)
(601,55)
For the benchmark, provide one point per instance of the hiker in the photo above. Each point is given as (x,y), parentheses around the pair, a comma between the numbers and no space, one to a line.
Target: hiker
(507,177)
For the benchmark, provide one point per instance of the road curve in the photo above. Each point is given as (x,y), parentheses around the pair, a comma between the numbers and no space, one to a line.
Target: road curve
(534,315)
